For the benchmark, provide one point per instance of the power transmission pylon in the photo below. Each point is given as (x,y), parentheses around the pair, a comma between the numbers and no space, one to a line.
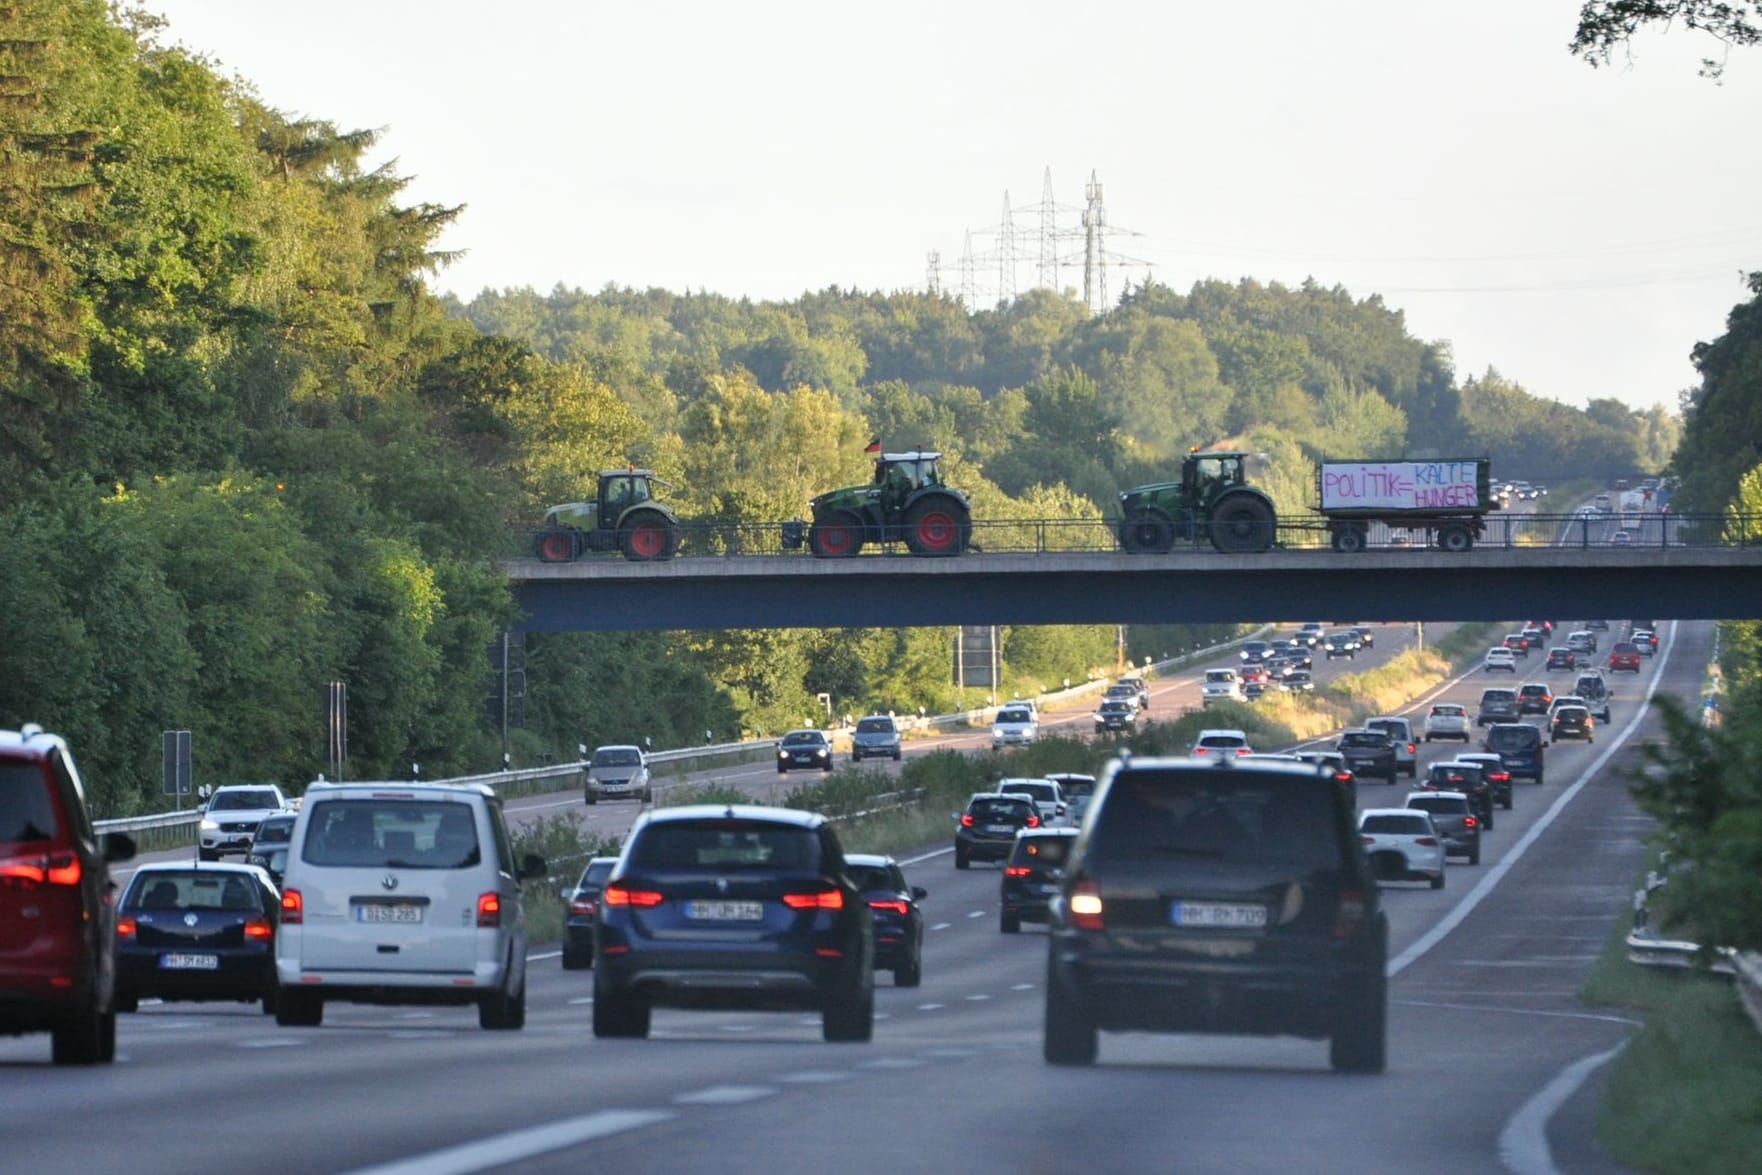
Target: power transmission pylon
(969,291)
(1048,277)
(1094,257)
(933,275)
(1006,255)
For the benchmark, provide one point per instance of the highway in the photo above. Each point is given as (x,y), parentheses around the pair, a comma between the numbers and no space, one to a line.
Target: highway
(1483,1020)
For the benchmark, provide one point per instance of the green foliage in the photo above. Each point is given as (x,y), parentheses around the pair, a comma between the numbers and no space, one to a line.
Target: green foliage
(1604,26)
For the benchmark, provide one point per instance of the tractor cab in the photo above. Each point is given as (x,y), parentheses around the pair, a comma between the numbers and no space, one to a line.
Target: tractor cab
(625,515)
(900,475)
(621,489)
(1206,475)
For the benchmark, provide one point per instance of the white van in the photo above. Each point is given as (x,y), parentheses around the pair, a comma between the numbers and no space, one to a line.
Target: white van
(402,894)
(1220,685)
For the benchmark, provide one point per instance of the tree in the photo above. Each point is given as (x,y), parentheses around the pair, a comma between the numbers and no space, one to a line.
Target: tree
(1722,425)
(1606,25)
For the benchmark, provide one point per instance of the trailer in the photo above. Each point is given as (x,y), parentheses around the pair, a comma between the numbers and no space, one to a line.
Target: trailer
(1448,498)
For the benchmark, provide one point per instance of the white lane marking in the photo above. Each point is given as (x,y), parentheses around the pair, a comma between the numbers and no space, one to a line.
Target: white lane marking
(931,1007)
(738,1027)
(893,1063)
(978,995)
(582,999)
(934,853)
(1556,1015)
(942,926)
(724,1095)
(1523,1143)
(502,1150)
(1496,874)
(883,1015)
(533,958)
(815,1077)
(977,913)
(420,1034)
(273,1042)
(1021,987)
(414,1016)
(950,1054)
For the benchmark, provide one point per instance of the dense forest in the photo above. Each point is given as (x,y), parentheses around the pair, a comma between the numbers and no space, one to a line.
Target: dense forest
(246,450)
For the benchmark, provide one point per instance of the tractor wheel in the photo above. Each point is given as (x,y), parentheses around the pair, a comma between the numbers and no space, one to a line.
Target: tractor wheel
(1148,533)
(554,546)
(1242,523)
(1455,537)
(1350,539)
(648,539)
(839,537)
(937,526)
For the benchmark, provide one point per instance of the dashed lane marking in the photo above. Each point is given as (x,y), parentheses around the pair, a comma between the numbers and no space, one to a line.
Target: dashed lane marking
(724,1095)
(504,1150)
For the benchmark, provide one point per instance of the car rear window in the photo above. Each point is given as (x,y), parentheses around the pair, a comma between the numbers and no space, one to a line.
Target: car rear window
(26,812)
(277,830)
(1405,825)
(1445,774)
(596,873)
(875,877)
(875,726)
(1042,850)
(1512,738)
(377,833)
(1039,791)
(1364,738)
(1002,809)
(1440,805)
(195,890)
(1150,815)
(725,845)
(1449,711)
(1223,740)
(1498,695)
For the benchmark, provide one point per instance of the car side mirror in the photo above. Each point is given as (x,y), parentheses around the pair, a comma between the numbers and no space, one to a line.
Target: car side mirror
(117,846)
(531,865)
(919,893)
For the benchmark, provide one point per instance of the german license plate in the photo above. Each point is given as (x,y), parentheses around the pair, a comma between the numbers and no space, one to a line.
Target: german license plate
(725,911)
(388,912)
(189,962)
(1000,828)
(1218,915)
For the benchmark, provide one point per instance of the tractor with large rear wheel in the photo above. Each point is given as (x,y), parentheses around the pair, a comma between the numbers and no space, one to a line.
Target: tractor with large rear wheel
(1212,501)
(625,516)
(907,502)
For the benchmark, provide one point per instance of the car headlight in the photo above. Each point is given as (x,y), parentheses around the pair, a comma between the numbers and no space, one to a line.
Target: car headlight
(997,732)
(209,825)
(782,754)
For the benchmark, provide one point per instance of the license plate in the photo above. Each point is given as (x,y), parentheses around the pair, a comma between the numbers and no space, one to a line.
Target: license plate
(1223,915)
(1000,828)
(189,962)
(388,912)
(725,911)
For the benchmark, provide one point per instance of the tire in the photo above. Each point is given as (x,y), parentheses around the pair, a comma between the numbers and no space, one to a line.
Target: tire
(849,1017)
(80,1039)
(1360,1043)
(126,1003)
(270,998)
(1242,523)
(961,860)
(937,525)
(299,1009)
(575,961)
(1455,538)
(554,546)
(1349,540)
(1438,881)
(1009,924)
(619,1015)
(856,756)
(591,796)
(896,756)
(1474,856)
(1147,533)
(1068,1035)
(839,537)
(910,973)
(502,1012)
(207,855)
(652,538)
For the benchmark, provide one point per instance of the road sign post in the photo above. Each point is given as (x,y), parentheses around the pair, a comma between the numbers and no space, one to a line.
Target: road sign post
(176,744)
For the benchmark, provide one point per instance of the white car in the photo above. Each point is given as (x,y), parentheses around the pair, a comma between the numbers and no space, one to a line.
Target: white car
(231,816)
(1014,726)
(1448,720)
(1220,685)
(1402,845)
(1048,797)
(1213,744)
(1499,657)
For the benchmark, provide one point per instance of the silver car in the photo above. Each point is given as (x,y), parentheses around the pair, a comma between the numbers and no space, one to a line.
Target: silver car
(876,736)
(619,772)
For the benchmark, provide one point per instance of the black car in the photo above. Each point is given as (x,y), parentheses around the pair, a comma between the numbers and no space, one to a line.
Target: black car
(1368,752)
(988,827)
(733,906)
(1471,780)
(1031,875)
(197,932)
(1367,636)
(1561,657)
(584,913)
(1571,722)
(1453,816)
(1341,644)
(273,836)
(1493,771)
(1218,897)
(804,748)
(1116,715)
(1294,651)
(899,923)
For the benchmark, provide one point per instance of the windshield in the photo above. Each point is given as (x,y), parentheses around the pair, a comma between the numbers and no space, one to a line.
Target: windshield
(875,726)
(247,800)
(616,757)
(803,738)
(1014,716)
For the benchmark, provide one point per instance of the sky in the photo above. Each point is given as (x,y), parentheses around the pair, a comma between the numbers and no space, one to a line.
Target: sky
(1579,230)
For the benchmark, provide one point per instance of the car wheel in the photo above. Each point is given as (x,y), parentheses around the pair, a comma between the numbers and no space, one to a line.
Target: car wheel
(1010,924)
(1068,1036)
(618,1014)
(502,1012)
(1361,1036)
(1474,855)
(960,859)
(299,1009)
(856,756)
(648,796)
(126,1003)
(76,1041)
(592,798)
(207,855)
(849,1016)
(896,756)
(1438,881)
(572,961)
(909,973)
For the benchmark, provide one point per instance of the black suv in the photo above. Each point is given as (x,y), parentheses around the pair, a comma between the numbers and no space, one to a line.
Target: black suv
(1031,875)
(57,917)
(733,907)
(1519,745)
(899,922)
(989,825)
(1218,897)
(1368,752)
(583,916)
(1453,816)
(1471,780)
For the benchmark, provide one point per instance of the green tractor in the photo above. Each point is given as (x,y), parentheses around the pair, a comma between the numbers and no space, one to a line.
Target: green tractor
(626,516)
(1212,500)
(906,502)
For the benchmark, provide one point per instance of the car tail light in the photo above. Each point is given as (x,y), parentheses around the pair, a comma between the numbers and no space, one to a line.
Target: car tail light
(1410,748)
(1086,912)
(1241,750)
(1369,840)
(63,869)
(1470,822)
(1500,777)
(1033,822)
(967,820)
(825,899)
(1351,915)
(489,909)
(125,928)
(1016,871)
(1342,777)
(584,906)
(256,930)
(293,907)
(621,895)
(1430,842)
(892,905)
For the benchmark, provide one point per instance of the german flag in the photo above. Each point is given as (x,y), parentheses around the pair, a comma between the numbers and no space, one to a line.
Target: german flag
(874,446)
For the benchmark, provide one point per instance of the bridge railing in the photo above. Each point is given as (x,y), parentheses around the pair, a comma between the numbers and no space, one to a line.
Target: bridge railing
(1588,529)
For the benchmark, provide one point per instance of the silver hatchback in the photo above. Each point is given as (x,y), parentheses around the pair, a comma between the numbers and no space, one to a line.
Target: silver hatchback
(875,737)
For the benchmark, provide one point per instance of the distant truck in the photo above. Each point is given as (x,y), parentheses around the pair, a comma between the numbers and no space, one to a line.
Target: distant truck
(1447,498)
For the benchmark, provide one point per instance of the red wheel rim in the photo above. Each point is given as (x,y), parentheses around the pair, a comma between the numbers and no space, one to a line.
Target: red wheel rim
(837,540)
(937,531)
(647,541)
(555,548)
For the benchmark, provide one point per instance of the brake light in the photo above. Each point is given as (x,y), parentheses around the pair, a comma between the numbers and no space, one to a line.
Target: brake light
(22,869)
(893,905)
(1016,871)
(967,820)
(293,908)
(1033,822)
(1470,822)
(1086,912)
(642,899)
(1241,751)
(125,928)
(826,899)
(1410,748)
(1342,777)
(1430,842)
(584,906)
(489,909)
(256,930)
(1351,915)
